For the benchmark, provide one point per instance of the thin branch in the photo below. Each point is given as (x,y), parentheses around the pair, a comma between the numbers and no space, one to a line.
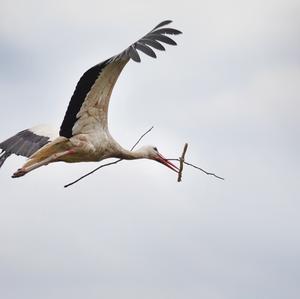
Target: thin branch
(141,138)
(91,172)
(197,167)
(181,159)
(107,164)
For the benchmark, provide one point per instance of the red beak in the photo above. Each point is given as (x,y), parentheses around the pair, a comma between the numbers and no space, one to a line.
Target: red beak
(166,162)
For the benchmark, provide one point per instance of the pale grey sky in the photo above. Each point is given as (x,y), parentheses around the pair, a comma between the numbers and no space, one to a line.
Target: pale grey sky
(230,88)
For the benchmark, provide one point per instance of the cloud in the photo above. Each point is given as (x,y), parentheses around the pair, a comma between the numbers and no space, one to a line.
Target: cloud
(268,99)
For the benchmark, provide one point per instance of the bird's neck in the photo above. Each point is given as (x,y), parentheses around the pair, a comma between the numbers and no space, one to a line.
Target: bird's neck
(131,155)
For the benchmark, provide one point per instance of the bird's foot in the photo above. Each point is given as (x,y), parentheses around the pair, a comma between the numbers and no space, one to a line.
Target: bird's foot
(20,172)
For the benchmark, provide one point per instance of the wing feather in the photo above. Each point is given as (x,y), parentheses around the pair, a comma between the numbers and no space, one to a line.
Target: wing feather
(153,43)
(134,55)
(162,38)
(88,107)
(163,23)
(26,142)
(167,31)
(147,50)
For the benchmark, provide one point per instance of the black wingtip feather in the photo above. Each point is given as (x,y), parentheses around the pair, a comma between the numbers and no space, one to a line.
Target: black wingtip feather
(167,31)
(3,157)
(163,23)
(162,38)
(133,54)
(147,50)
(153,43)
(153,39)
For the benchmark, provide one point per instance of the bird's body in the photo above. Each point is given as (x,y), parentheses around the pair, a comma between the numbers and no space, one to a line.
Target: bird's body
(84,135)
(86,148)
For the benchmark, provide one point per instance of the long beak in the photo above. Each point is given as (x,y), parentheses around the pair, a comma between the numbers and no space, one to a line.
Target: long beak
(166,162)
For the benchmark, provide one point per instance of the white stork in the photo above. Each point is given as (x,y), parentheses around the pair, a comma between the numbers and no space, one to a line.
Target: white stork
(84,134)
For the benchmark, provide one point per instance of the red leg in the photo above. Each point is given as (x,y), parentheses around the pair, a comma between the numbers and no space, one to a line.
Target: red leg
(24,170)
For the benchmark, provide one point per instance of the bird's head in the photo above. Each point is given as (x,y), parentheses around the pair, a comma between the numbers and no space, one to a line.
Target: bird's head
(151,152)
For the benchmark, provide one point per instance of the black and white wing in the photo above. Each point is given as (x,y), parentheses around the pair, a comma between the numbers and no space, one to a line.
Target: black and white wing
(27,142)
(88,107)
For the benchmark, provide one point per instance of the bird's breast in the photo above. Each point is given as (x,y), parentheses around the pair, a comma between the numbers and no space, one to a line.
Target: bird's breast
(90,147)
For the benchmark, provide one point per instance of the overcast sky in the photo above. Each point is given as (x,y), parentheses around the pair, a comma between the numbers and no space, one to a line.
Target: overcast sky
(230,89)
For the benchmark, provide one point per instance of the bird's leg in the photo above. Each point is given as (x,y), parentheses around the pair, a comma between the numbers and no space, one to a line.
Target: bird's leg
(24,170)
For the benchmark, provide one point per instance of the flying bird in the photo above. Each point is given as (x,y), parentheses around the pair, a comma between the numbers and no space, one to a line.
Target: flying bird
(84,135)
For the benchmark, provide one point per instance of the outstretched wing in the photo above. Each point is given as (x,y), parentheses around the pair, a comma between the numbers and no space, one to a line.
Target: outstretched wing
(87,110)
(27,142)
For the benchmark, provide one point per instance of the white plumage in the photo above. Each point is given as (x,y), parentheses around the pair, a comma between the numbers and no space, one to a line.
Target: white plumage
(84,134)
(45,130)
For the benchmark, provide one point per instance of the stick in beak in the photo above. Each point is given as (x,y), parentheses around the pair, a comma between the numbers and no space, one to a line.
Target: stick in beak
(161,159)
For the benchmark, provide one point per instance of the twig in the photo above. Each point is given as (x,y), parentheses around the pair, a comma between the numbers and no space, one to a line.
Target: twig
(141,138)
(197,167)
(208,173)
(107,164)
(91,172)
(181,160)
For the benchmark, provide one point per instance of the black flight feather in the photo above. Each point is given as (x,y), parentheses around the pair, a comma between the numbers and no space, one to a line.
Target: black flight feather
(24,143)
(82,89)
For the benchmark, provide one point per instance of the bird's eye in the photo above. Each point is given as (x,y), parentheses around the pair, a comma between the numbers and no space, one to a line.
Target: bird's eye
(155,148)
